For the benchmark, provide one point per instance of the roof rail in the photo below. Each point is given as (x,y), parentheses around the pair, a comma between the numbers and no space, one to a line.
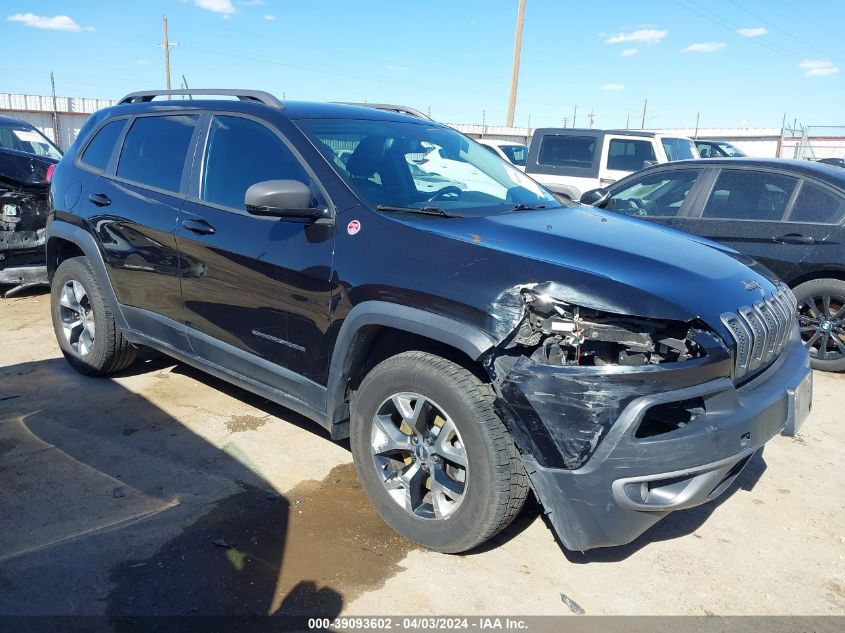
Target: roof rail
(399,109)
(258,96)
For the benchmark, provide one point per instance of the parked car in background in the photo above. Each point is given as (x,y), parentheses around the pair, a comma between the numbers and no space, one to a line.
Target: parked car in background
(836,162)
(472,347)
(569,161)
(786,214)
(27,158)
(718,149)
(516,153)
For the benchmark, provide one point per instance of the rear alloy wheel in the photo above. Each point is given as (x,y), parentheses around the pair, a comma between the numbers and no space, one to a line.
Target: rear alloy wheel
(821,320)
(432,454)
(85,328)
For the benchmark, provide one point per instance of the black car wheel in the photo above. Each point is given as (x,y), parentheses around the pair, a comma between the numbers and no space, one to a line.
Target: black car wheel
(821,319)
(433,455)
(85,329)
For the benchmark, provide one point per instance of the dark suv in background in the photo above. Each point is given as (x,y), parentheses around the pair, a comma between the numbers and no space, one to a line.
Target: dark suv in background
(471,343)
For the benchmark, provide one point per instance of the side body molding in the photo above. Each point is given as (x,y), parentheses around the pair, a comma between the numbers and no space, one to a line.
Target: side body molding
(353,342)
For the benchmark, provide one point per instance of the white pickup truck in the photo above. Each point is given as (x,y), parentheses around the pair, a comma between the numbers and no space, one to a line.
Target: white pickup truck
(571,161)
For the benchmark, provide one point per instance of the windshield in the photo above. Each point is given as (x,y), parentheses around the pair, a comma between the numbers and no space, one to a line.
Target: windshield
(25,139)
(730,151)
(420,165)
(679,149)
(516,153)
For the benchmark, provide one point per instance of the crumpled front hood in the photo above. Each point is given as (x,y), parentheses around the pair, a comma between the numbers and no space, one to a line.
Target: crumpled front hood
(612,262)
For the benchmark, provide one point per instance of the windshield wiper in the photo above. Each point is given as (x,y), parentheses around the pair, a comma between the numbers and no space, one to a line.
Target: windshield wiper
(422,210)
(527,207)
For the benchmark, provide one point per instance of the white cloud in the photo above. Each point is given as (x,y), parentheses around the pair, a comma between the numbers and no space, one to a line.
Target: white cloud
(56,23)
(403,69)
(755,32)
(629,52)
(818,68)
(704,47)
(250,3)
(612,86)
(269,17)
(642,36)
(142,62)
(224,7)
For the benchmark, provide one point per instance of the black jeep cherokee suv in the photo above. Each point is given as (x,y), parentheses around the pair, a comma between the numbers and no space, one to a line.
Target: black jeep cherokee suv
(472,343)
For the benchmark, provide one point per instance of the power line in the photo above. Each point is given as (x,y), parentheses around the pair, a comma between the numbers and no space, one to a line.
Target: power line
(777,28)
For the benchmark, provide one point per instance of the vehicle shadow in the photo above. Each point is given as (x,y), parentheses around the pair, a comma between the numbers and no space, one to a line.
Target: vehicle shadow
(109,505)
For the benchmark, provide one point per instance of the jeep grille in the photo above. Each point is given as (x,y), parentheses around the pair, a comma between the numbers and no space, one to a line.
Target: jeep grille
(761,330)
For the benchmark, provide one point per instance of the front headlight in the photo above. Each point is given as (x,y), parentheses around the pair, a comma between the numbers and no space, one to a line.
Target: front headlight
(559,333)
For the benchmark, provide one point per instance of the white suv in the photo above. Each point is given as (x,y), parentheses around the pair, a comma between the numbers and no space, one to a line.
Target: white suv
(569,161)
(516,153)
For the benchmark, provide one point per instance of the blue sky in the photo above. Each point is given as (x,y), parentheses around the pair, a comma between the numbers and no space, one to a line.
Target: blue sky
(739,63)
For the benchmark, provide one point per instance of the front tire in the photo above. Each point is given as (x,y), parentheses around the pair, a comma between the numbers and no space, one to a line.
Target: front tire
(85,329)
(435,459)
(821,318)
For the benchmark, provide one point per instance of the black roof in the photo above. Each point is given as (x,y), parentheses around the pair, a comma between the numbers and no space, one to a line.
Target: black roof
(11,119)
(829,173)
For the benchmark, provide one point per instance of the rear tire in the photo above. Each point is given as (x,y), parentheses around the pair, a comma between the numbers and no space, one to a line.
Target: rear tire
(82,320)
(469,482)
(821,316)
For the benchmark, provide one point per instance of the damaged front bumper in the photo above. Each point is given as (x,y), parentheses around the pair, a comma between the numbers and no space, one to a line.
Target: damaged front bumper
(611,450)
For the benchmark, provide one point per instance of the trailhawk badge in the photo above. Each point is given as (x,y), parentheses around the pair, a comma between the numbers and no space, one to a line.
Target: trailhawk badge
(353,227)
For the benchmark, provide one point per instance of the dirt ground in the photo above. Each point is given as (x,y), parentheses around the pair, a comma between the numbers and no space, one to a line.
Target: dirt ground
(166,491)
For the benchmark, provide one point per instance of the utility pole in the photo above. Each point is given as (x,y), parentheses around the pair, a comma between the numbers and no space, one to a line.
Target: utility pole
(565,121)
(167,46)
(517,49)
(55,111)
(574,114)
(591,116)
(628,122)
(697,119)
(645,109)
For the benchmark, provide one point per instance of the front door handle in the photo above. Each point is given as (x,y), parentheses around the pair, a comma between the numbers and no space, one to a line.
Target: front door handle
(100,199)
(200,227)
(795,238)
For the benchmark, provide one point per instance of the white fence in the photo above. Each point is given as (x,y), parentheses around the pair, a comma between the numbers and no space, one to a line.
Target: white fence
(68,116)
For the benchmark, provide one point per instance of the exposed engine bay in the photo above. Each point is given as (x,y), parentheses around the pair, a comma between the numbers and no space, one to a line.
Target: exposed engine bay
(558,333)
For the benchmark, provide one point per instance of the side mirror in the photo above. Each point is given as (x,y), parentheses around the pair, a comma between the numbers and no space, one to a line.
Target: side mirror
(282,199)
(596,198)
(649,163)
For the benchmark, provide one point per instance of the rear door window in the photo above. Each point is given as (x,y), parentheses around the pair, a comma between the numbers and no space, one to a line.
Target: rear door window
(155,149)
(240,153)
(100,148)
(742,194)
(629,155)
(567,151)
(817,205)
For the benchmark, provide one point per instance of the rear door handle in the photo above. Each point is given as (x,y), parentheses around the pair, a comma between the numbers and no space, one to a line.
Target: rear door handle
(100,199)
(795,238)
(200,227)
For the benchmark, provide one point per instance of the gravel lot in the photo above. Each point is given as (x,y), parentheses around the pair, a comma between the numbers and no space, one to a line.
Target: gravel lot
(165,491)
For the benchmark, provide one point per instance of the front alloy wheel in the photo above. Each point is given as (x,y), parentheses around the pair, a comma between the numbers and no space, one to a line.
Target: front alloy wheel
(419,456)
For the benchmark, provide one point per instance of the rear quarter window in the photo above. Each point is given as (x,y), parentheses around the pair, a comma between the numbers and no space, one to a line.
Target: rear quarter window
(155,148)
(99,150)
(817,205)
(567,151)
